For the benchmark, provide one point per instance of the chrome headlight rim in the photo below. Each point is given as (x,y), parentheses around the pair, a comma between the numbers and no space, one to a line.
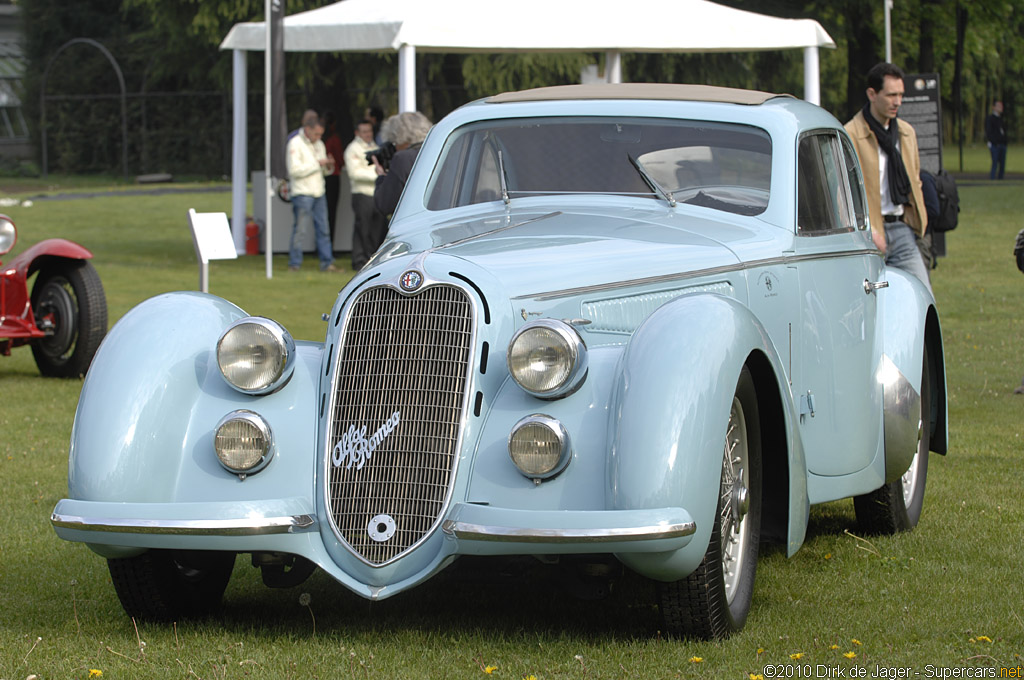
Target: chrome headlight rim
(8,234)
(576,350)
(257,421)
(561,434)
(284,343)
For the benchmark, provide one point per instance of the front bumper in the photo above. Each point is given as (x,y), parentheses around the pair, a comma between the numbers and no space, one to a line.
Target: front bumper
(291,525)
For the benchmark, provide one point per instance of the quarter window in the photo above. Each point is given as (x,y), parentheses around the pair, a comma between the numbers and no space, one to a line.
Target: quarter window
(824,201)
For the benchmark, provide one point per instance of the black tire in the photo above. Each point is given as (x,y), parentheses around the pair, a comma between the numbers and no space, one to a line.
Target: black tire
(69,305)
(169,585)
(713,602)
(896,506)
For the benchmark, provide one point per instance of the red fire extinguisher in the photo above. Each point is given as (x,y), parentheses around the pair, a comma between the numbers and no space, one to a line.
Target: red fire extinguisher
(252,238)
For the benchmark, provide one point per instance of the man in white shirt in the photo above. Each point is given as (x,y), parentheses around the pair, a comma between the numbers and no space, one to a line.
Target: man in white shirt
(370,227)
(308,163)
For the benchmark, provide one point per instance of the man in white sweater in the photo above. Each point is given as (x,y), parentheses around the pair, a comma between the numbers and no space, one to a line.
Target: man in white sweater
(370,228)
(308,163)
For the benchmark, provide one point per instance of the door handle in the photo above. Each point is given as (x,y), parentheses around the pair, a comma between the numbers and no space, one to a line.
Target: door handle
(870,287)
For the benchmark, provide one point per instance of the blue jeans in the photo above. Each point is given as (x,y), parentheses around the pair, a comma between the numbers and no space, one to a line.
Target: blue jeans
(998,161)
(901,251)
(306,208)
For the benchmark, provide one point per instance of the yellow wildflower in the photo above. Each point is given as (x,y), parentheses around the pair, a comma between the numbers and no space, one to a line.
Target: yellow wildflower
(796,656)
(760,651)
(856,641)
(490,669)
(756,676)
(984,638)
(95,673)
(834,647)
(850,655)
(696,659)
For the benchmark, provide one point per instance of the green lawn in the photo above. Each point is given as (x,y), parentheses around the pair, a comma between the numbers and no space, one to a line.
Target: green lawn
(977,159)
(949,595)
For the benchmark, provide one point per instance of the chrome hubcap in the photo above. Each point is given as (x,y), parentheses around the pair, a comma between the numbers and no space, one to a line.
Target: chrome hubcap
(734,500)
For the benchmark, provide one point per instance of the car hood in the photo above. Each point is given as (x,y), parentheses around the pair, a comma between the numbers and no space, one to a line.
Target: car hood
(538,252)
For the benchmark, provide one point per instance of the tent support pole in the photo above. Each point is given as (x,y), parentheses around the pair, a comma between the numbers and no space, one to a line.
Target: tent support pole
(812,85)
(239,152)
(406,78)
(613,67)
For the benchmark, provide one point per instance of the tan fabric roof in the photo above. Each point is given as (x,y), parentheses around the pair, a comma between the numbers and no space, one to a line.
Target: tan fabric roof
(703,93)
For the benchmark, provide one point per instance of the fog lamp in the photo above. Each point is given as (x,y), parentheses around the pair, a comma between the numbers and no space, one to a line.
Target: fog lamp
(243,442)
(548,359)
(256,355)
(539,446)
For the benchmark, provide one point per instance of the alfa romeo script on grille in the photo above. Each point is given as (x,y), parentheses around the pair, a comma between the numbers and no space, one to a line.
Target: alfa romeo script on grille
(355,449)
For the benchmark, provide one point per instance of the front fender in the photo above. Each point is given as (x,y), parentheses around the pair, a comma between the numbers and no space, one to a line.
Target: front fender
(670,412)
(32,259)
(151,401)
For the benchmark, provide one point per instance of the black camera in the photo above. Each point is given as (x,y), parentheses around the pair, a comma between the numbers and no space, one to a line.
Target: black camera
(383,154)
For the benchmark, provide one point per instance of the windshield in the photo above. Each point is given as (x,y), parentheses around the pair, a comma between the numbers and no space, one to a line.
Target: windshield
(724,166)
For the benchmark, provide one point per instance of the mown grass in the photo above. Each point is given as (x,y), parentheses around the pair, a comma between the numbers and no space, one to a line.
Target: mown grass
(948,595)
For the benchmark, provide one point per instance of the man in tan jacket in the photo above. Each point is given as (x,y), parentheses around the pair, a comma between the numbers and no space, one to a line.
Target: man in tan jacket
(887,149)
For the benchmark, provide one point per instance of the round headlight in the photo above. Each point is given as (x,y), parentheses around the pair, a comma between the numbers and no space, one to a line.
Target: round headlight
(539,446)
(243,442)
(8,234)
(548,358)
(256,355)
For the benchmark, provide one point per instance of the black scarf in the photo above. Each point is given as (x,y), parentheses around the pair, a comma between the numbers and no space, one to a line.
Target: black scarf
(899,182)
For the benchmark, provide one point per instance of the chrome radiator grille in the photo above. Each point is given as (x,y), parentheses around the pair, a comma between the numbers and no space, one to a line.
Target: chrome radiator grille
(394,429)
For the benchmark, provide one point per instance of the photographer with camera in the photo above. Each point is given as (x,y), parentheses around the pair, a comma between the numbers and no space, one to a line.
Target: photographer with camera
(370,226)
(406,132)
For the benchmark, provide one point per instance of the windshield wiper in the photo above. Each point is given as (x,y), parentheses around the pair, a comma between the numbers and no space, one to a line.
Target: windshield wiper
(651,182)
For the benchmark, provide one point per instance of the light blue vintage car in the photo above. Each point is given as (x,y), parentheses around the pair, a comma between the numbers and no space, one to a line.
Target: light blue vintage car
(642,323)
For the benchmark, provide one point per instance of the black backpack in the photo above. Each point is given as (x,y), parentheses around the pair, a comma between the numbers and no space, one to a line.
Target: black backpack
(949,203)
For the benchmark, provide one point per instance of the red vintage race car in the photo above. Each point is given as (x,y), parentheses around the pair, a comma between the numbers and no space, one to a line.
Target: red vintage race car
(65,317)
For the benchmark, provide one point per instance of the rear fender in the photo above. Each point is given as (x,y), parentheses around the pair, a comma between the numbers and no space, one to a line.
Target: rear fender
(670,411)
(911,323)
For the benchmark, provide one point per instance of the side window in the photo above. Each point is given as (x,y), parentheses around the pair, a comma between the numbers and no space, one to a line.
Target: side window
(856,180)
(823,201)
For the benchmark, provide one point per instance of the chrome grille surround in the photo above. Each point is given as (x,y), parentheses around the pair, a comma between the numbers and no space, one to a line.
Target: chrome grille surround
(398,396)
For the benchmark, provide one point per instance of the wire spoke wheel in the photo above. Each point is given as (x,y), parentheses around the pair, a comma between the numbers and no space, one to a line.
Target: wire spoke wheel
(734,502)
(713,601)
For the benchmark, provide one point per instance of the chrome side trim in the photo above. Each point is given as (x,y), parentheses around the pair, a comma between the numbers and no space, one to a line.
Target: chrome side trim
(901,405)
(260,526)
(480,532)
(682,276)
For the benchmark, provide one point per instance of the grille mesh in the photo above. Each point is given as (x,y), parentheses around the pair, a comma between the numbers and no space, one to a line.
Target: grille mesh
(398,403)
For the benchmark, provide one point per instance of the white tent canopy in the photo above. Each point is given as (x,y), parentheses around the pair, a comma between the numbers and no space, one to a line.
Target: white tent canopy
(408,26)
(542,25)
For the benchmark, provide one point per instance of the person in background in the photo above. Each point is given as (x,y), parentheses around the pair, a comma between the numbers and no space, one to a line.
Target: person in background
(887,149)
(308,163)
(407,132)
(375,115)
(370,228)
(995,137)
(332,183)
(1018,254)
